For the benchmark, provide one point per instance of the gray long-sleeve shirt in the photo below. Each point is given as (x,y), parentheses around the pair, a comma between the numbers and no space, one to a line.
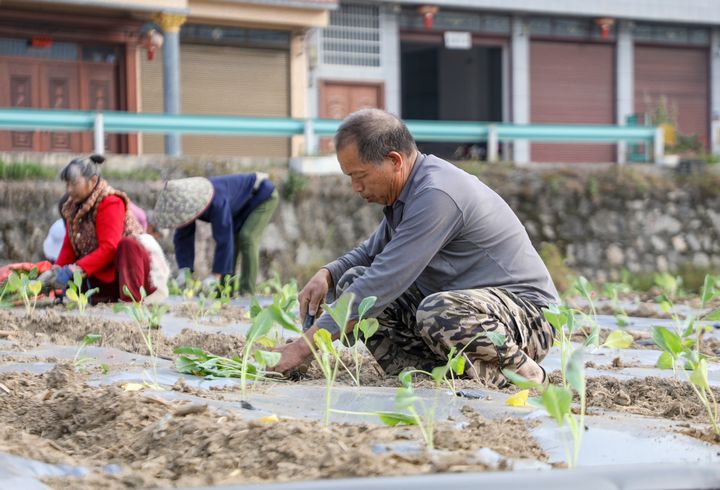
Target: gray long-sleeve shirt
(446,231)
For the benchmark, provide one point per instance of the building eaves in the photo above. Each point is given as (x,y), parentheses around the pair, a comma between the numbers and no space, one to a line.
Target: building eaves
(304,4)
(672,11)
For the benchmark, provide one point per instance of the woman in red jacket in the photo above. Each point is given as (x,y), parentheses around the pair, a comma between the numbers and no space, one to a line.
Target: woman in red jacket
(103,237)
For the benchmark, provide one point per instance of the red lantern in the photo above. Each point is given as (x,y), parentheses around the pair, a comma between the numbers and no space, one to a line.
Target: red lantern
(152,40)
(428,12)
(605,23)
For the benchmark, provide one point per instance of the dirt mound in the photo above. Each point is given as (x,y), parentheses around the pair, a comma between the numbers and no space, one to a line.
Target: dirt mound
(57,419)
(62,329)
(652,396)
(227,314)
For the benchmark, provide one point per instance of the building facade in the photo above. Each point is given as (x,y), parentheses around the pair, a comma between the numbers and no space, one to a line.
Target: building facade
(241,58)
(602,62)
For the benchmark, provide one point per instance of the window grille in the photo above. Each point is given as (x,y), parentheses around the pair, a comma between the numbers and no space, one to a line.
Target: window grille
(353,36)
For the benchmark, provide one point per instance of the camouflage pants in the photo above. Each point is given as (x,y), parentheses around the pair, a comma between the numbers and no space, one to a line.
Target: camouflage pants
(417,331)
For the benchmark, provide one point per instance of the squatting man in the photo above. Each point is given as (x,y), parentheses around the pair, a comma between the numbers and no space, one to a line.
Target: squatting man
(449,263)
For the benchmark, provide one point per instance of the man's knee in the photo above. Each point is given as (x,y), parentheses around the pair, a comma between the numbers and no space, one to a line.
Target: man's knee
(349,277)
(435,309)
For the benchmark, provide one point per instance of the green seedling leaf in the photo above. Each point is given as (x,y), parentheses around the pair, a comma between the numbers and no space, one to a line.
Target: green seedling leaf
(690,327)
(281,317)
(266,358)
(594,337)
(405,397)
(665,361)
(105,368)
(520,381)
(699,375)
(666,307)
(667,340)
(195,351)
(496,338)
(406,378)
(261,325)
(618,340)
(77,278)
(458,365)
(708,290)
(713,316)
(323,339)
(185,365)
(621,320)
(33,273)
(438,374)
(583,286)
(340,312)
(92,338)
(266,342)
(557,401)
(575,371)
(365,305)
(396,418)
(34,287)
(14,281)
(368,327)
(72,295)
(556,316)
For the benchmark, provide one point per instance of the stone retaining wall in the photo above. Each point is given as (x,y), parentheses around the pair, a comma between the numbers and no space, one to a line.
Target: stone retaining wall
(601,222)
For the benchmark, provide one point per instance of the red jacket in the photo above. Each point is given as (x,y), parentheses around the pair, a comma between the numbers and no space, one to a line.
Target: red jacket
(109,225)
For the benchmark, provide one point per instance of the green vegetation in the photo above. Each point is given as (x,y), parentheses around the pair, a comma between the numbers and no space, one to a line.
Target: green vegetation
(142,317)
(557,401)
(76,296)
(681,349)
(26,286)
(79,361)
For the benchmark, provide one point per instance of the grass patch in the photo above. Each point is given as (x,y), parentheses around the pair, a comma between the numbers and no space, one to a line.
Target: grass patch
(26,171)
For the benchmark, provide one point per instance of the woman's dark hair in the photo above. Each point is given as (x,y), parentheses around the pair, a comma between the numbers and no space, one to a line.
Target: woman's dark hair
(87,167)
(62,202)
(376,133)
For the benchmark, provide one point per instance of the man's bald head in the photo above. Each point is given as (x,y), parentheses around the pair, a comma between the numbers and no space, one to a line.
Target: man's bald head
(376,133)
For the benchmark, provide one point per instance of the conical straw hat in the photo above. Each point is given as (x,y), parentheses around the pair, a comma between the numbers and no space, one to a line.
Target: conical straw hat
(181,201)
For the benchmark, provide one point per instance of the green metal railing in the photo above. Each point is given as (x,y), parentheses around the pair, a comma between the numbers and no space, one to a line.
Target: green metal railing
(459,131)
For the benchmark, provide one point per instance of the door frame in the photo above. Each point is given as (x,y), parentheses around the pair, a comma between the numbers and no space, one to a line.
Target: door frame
(323,84)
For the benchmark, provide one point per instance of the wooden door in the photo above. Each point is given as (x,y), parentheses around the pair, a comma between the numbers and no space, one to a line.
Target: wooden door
(59,89)
(99,93)
(339,99)
(19,87)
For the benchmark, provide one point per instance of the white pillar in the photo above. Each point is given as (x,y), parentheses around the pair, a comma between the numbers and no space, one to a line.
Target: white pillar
(659,146)
(625,81)
(99,134)
(715,91)
(520,85)
(492,144)
(390,56)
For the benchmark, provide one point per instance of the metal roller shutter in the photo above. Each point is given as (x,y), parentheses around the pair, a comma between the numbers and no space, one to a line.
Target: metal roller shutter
(572,83)
(227,81)
(679,74)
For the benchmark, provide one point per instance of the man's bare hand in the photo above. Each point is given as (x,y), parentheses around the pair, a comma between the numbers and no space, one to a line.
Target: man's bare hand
(292,355)
(314,292)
